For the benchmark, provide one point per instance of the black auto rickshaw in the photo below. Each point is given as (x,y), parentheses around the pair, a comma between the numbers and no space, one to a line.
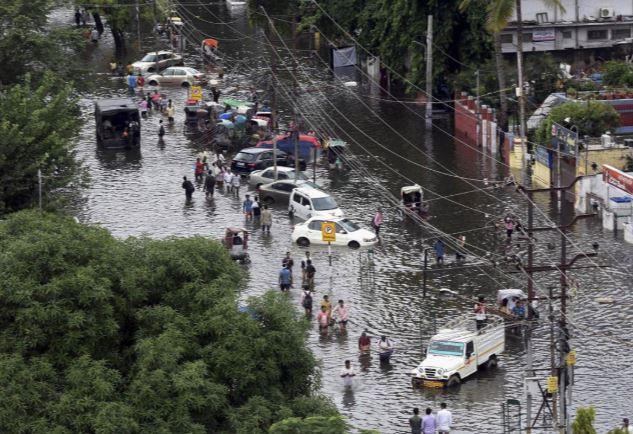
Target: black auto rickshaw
(236,242)
(118,123)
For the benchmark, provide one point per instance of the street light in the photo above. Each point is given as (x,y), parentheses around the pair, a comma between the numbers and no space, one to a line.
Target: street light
(429,79)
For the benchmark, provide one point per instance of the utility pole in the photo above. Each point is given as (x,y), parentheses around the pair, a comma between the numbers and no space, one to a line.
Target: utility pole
(295,135)
(39,188)
(477,108)
(429,72)
(273,96)
(552,347)
(530,291)
(521,87)
(138,24)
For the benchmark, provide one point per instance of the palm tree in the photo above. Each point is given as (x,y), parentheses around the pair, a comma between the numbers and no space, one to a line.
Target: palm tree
(499,13)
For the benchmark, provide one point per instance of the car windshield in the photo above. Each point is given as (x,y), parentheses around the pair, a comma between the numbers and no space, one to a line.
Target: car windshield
(300,175)
(245,156)
(444,348)
(349,225)
(324,203)
(149,58)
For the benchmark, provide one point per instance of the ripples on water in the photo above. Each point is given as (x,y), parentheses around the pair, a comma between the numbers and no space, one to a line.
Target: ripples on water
(139,193)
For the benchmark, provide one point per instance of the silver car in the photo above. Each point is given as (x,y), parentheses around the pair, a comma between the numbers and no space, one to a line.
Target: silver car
(178,76)
(157,61)
(265,176)
(279,191)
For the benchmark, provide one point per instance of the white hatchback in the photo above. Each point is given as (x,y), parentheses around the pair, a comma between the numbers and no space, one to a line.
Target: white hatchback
(348,233)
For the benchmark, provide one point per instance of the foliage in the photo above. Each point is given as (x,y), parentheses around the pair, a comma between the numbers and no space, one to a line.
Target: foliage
(583,423)
(38,124)
(141,336)
(593,118)
(617,431)
(27,45)
(310,425)
(617,73)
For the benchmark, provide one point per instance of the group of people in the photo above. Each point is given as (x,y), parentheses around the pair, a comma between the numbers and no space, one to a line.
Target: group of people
(430,423)
(440,249)
(513,306)
(385,346)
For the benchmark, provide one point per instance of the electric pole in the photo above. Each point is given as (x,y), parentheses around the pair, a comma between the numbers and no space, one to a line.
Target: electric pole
(429,72)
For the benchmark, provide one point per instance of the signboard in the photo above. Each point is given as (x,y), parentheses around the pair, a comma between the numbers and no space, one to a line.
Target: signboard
(328,232)
(571,358)
(345,56)
(617,178)
(195,93)
(552,384)
(543,35)
(564,139)
(544,156)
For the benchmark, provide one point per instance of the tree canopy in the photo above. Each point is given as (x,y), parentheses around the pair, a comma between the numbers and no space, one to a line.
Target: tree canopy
(141,336)
(593,118)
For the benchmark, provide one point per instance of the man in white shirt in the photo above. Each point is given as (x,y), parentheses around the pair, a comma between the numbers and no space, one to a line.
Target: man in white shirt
(228,177)
(347,373)
(444,420)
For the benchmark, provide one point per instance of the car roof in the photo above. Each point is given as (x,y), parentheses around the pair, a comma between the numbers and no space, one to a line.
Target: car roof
(329,218)
(311,192)
(115,105)
(280,169)
(259,151)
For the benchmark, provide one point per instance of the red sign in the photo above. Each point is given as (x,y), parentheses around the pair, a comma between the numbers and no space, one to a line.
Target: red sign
(617,178)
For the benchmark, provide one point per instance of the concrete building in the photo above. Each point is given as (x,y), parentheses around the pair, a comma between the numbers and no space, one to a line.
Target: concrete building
(583,25)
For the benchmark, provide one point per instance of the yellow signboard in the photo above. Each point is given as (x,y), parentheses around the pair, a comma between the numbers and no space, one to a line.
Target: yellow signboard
(195,93)
(571,358)
(552,384)
(328,232)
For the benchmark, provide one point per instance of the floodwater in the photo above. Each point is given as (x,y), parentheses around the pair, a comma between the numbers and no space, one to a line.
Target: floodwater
(139,193)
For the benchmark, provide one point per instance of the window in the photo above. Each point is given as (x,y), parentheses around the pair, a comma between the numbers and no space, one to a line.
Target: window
(444,348)
(340,230)
(149,58)
(324,203)
(470,349)
(270,174)
(297,198)
(244,156)
(507,38)
(542,17)
(168,72)
(527,37)
(282,175)
(620,33)
(349,225)
(595,35)
(179,72)
(566,34)
(315,225)
(283,186)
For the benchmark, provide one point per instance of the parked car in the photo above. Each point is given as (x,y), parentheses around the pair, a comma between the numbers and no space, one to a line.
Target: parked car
(259,177)
(280,191)
(179,76)
(305,203)
(348,233)
(161,60)
(251,159)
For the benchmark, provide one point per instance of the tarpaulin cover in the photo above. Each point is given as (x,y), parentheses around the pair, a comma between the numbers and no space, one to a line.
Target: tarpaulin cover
(210,42)
(286,143)
(343,57)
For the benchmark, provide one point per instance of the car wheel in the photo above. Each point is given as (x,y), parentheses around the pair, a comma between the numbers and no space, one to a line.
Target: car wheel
(491,363)
(151,69)
(303,242)
(185,84)
(353,245)
(268,200)
(153,83)
(453,381)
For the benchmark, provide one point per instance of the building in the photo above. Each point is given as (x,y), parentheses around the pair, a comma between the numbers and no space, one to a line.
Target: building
(582,25)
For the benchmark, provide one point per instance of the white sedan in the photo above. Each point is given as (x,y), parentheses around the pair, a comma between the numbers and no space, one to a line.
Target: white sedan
(348,233)
(177,75)
(260,177)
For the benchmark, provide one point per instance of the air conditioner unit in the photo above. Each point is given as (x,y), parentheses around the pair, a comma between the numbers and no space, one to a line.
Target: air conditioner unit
(607,13)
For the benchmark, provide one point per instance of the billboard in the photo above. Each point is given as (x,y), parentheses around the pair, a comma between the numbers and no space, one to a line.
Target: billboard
(617,178)
(564,139)
(543,35)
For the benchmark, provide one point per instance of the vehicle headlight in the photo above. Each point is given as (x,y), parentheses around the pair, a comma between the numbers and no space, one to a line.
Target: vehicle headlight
(441,371)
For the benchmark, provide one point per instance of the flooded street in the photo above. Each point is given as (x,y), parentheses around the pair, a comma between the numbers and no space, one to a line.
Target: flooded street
(139,193)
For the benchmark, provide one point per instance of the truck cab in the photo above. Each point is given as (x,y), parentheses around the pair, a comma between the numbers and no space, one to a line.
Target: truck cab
(457,352)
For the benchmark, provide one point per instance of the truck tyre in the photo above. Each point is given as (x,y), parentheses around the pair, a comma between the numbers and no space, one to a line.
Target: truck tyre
(453,381)
(415,382)
(492,362)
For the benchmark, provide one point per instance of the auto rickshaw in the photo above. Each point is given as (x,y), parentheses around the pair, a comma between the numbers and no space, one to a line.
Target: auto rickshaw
(236,242)
(412,201)
(335,152)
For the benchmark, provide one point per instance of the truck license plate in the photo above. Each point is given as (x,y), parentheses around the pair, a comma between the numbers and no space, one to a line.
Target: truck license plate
(432,383)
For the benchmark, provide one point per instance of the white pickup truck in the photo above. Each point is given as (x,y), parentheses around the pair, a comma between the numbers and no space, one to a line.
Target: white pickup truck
(458,350)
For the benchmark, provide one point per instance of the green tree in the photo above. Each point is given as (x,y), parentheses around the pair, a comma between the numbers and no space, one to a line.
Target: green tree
(141,336)
(617,73)
(310,425)
(38,125)
(592,118)
(583,423)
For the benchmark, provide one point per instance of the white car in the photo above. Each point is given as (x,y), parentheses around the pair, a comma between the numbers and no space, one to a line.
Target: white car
(309,202)
(161,60)
(265,176)
(179,76)
(348,233)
